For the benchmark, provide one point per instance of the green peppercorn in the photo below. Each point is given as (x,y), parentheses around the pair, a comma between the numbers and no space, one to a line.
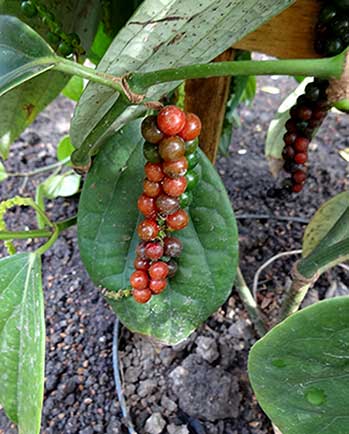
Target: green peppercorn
(53,38)
(151,152)
(28,9)
(327,14)
(185,199)
(48,18)
(74,39)
(65,49)
(192,179)
(193,159)
(191,146)
(333,46)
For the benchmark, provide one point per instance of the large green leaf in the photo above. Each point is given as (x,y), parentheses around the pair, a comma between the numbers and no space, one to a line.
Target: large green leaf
(20,51)
(107,220)
(163,34)
(324,220)
(20,107)
(22,340)
(300,370)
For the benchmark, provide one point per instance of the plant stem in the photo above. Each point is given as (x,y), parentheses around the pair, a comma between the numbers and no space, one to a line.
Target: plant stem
(65,224)
(249,303)
(332,67)
(308,270)
(24,235)
(40,169)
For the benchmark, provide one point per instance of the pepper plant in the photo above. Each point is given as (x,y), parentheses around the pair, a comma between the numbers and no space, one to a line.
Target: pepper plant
(139,62)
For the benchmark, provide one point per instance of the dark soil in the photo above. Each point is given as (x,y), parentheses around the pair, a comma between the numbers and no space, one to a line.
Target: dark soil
(200,386)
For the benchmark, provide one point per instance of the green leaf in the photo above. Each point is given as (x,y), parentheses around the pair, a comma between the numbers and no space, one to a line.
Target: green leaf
(300,373)
(274,143)
(22,340)
(64,148)
(100,45)
(20,107)
(21,50)
(170,33)
(74,88)
(3,174)
(61,185)
(107,221)
(250,90)
(324,220)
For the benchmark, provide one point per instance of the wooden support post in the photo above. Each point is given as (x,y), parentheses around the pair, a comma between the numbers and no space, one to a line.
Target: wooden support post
(207,97)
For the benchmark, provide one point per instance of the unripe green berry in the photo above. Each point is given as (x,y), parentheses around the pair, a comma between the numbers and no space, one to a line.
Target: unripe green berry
(65,49)
(193,159)
(28,9)
(52,38)
(185,199)
(191,146)
(151,152)
(74,39)
(192,179)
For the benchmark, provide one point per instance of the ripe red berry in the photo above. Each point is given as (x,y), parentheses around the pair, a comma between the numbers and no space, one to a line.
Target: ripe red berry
(174,187)
(146,206)
(140,249)
(301,144)
(153,171)
(300,158)
(296,188)
(299,176)
(151,189)
(171,148)
(178,220)
(290,138)
(141,264)
(139,279)
(142,295)
(291,126)
(157,286)
(176,168)
(171,120)
(150,130)
(319,115)
(172,247)
(304,113)
(192,127)
(158,270)
(167,204)
(148,230)
(172,267)
(288,153)
(154,251)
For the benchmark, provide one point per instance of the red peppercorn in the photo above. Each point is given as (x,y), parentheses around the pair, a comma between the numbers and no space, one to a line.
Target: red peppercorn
(174,187)
(296,188)
(167,204)
(304,113)
(288,153)
(153,171)
(141,264)
(172,267)
(171,148)
(139,279)
(172,246)
(148,230)
(158,270)
(146,206)
(150,130)
(290,138)
(319,115)
(301,144)
(178,220)
(171,120)
(300,158)
(192,127)
(142,295)
(291,126)
(299,176)
(157,286)
(176,168)
(151,189)
(154,251)
(140,249)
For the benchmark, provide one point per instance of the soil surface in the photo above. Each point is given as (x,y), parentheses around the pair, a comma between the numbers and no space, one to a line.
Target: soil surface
(200,386)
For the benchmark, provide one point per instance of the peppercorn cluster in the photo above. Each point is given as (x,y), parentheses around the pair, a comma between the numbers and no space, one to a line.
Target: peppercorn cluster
(306,117)
(332,29)
(170,148)
(65,44)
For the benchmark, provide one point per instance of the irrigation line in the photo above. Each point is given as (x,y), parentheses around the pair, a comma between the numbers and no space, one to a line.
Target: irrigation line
(117,378)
